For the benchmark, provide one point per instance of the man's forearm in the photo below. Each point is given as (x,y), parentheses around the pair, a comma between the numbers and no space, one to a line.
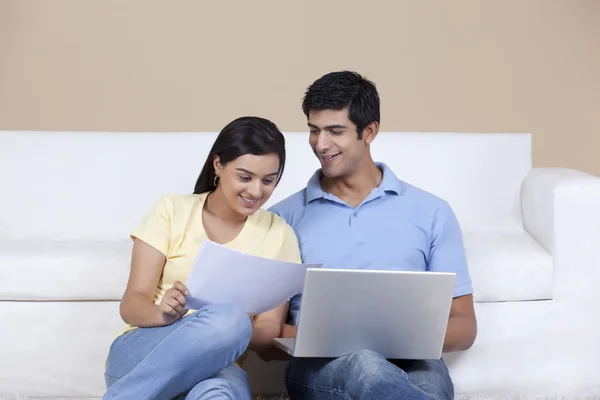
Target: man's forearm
(460,334)
(274,353)
(289,331)
(263,334)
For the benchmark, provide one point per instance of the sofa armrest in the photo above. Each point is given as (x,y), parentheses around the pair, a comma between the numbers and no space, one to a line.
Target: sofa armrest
(561,210)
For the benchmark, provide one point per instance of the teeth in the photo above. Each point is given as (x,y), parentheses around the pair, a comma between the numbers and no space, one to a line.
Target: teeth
(248,200)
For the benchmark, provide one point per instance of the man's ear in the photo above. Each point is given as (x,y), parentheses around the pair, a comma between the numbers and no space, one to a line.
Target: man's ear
(217,165)
(370,132)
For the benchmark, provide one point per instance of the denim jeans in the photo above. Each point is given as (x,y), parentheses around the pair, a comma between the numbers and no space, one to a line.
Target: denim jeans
(193,358)
(367,375)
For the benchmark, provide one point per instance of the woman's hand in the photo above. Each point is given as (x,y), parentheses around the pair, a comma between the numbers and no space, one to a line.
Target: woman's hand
(172,305)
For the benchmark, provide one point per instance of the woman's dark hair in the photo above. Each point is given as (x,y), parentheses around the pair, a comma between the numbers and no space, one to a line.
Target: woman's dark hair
(245,135)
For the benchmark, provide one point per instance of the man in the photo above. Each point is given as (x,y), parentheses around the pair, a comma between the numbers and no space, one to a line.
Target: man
(354,213)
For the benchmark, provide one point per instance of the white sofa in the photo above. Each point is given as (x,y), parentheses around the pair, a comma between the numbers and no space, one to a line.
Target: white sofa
(70,199)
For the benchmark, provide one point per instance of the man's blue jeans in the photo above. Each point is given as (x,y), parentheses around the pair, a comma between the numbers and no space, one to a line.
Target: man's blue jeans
(367,375)
(192,358)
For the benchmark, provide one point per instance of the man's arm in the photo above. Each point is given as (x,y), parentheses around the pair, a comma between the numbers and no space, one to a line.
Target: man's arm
(447,254)
(289,331)
(462,325)
(275,353)
(266,327)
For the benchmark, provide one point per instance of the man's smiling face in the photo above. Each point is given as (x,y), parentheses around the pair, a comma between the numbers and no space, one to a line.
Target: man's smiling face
(335,141)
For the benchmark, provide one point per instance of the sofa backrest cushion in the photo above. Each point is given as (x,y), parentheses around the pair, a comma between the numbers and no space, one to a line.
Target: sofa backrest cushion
(98,185)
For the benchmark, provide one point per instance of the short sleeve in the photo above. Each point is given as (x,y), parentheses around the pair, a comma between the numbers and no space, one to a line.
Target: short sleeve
(290,250)
(155,228)
(447,252)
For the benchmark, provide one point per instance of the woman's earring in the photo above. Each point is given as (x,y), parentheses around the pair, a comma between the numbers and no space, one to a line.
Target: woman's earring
(216,180)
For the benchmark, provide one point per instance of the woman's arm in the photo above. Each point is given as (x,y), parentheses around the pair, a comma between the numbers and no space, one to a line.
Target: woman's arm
(269,325)
(137,306)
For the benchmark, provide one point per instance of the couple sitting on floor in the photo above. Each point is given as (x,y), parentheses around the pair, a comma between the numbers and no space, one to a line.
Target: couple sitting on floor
(168,351)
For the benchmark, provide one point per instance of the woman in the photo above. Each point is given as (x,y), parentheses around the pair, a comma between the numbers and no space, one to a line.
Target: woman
(167,351)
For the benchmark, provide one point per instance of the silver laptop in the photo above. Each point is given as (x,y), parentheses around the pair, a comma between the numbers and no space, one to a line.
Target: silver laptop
(398,314)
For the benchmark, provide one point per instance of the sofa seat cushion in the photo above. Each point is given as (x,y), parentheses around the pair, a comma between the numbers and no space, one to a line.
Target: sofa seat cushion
(537,349)
(38,270)
(56,349)
(504,266)
(508,266)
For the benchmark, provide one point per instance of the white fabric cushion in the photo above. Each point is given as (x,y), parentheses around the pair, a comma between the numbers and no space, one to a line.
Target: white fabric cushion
(63,270)
(56,349)
(98,185)
(534,348)
(504,266)
(561,209)
(508,266)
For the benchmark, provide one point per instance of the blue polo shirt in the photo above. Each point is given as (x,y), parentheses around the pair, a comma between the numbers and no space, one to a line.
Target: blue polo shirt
(397,227)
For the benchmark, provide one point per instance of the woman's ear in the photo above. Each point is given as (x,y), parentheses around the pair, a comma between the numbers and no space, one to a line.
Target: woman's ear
(217,165)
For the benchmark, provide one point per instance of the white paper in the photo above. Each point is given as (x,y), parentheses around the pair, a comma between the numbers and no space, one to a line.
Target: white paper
(223,275)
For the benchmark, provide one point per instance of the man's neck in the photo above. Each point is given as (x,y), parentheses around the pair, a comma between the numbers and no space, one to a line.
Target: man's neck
(353,189)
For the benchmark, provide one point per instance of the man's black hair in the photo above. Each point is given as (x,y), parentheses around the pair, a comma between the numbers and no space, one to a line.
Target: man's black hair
(344,90)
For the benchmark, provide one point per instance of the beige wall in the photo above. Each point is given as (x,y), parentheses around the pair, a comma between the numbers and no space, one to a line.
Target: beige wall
(470,66)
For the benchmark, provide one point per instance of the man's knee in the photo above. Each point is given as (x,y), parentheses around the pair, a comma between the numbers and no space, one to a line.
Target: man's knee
(365,359)
(356,374)
(370,370)
(432,377)
(356,363)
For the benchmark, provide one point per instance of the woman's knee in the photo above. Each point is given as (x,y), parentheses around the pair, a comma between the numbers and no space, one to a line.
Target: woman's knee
(109,380)
(230,383)
(230,324)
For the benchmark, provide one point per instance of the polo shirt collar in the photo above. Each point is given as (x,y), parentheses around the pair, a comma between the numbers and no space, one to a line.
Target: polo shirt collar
(389,183)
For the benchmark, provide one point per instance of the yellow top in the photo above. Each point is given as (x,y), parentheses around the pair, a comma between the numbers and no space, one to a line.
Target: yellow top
(174,227)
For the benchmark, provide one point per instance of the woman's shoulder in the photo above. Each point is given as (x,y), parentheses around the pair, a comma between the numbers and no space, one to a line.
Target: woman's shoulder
(181,201)
(273,221)
(282,234)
